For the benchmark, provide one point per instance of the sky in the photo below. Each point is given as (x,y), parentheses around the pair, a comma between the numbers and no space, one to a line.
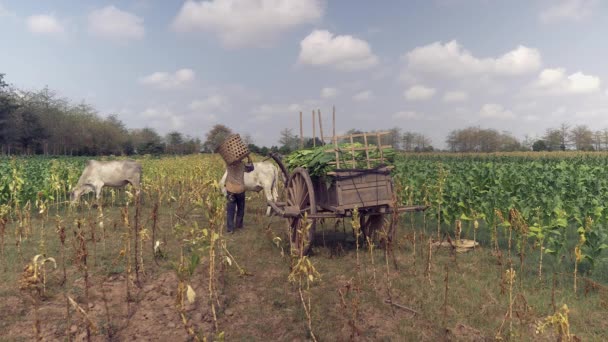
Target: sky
(426,66)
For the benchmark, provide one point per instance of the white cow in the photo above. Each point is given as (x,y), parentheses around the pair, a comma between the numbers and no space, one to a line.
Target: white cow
(116,173)
(263,177)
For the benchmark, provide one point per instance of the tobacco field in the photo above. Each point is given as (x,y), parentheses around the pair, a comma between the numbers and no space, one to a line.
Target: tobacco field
(161,267)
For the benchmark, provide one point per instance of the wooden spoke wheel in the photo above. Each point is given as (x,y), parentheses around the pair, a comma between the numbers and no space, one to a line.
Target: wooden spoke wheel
(300,194)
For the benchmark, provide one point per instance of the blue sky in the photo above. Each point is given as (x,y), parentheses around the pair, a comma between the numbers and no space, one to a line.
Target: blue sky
(429,66)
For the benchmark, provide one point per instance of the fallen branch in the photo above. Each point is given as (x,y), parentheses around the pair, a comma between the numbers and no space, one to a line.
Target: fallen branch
(388,301)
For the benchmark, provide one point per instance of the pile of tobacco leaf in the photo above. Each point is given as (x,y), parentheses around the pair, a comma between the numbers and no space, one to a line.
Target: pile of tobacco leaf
(321,160)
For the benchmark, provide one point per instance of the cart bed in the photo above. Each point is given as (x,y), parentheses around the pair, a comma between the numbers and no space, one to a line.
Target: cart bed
(343,190)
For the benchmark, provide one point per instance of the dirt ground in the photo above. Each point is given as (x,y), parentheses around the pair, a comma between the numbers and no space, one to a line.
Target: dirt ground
(348,303)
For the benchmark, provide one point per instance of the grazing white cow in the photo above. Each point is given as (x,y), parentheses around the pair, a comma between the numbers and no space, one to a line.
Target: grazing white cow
(263,177)
(116,173)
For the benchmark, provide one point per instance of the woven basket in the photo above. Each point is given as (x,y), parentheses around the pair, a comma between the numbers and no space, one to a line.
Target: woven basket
(233,149)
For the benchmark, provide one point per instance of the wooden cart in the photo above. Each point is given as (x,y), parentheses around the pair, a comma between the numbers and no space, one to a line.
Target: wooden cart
(336,195)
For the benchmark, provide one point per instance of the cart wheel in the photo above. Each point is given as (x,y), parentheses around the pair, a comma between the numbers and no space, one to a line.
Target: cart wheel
(382,224)
(299,193)
(371,223)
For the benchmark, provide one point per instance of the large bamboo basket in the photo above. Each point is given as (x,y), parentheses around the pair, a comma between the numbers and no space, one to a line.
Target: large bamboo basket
(233,149)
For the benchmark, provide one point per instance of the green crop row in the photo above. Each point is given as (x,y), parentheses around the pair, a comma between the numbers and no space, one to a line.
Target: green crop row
(552,195)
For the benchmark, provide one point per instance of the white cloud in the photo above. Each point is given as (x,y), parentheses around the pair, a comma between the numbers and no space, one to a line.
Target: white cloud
(44,24)
(419,93)
(568,10)
(165,80)
(4,12)
(114,24)
(555,82)
(365,95)
(406,115)
(163,117)
(329,93)
(241,23)
(346,53)
(211,103)
(452,60)
(265,112)
(531,118)
(455,96)
(495,111)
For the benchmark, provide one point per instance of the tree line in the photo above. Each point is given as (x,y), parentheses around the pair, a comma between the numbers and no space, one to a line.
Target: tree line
(40,122)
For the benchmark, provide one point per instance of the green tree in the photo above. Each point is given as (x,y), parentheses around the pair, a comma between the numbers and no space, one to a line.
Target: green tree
(289,141)
(147,141)
(215,137)
(539,145)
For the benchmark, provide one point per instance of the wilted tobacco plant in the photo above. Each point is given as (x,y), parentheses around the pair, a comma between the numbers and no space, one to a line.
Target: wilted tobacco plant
(15,186)
(184,292)
(560,322)
(370,248)
(442,175)
(4,217)
(519,224)
(508,280)
(41,205)
(578,255)
(33,281)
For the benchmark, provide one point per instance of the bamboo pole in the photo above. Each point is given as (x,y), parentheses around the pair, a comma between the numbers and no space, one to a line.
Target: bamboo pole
(352,151)
(380,147)
(301,133)
(333,125)
(366,150)
(321,127)
(334,120)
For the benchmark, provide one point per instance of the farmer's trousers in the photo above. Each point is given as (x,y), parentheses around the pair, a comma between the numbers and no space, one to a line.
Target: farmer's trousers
(235,205)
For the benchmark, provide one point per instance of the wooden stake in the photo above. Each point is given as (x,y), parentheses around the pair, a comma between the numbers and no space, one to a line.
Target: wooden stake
(301,133)
(314,132)
(321,126)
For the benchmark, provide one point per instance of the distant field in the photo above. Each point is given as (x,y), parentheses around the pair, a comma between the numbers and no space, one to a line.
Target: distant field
(248,287)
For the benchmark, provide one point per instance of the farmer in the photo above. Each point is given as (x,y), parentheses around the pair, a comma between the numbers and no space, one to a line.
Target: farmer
(235,193)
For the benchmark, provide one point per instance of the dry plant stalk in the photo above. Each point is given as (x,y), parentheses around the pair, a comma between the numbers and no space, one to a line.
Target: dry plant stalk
(110,326)
(302,268)
(429,259)
(62,236)
(510,277)
(445,295)
(126,252)
(136,236)
(389,283)
(154,222)
(370,246)
(81,260)
(352,313)
(91,327)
